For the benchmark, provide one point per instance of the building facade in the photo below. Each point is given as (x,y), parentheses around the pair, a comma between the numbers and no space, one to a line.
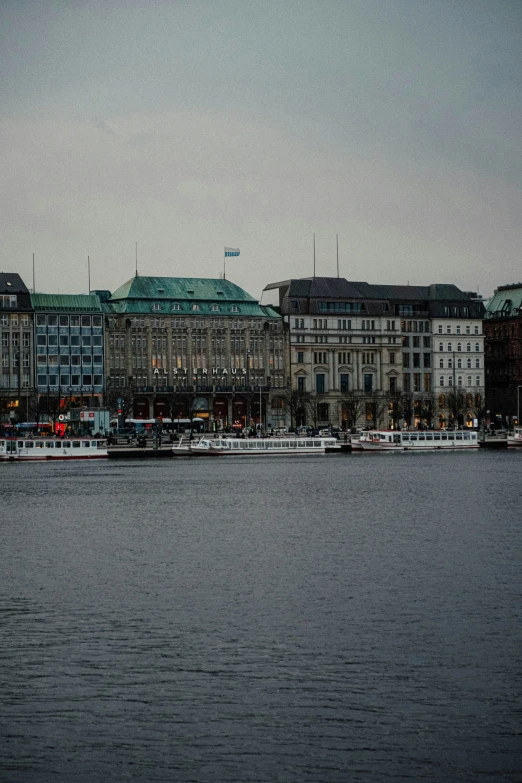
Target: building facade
(503,335)
(69,348)
(363,355)
(180,348)
(16,335)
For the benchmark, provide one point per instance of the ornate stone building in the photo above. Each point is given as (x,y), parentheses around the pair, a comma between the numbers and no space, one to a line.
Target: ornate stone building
(16,335)
(178,348)
(362,354)
(503,332)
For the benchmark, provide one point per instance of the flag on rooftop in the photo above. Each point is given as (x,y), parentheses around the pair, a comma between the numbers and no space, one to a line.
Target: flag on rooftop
(231,251)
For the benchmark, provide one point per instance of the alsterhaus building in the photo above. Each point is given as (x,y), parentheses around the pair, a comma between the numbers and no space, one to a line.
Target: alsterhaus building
(183,347)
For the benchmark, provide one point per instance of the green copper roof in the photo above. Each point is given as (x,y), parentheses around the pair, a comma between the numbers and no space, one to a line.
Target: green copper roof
(181,288)
(505,301)
(80,303)
(185,296)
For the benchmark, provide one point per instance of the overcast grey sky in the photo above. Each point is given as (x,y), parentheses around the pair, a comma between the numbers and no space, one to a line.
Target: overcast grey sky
(187,126)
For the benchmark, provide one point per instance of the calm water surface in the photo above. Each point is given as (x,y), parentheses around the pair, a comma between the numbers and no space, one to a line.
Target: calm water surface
(337,618)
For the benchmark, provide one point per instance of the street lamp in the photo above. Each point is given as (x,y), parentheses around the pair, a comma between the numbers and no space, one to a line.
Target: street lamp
(518,405)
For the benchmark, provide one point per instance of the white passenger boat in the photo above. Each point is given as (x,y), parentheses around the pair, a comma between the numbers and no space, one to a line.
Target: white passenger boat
(35,449)
(391,440)
(256,447)
(515,438)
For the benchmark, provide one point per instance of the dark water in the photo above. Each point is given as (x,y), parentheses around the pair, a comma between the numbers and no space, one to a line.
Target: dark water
(351,618)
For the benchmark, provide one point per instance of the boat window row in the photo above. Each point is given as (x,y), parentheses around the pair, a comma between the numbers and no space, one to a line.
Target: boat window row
(286,443)
(57,444)
(437,436)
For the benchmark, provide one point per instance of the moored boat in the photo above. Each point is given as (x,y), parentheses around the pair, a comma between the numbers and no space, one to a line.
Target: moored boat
(38,449)
(256,447)
(515,438)
(392,440)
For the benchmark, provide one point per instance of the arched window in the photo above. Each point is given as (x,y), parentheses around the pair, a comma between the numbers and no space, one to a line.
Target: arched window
(477,347)
(468,347)
(441,380)
(458,329)
(477,363)
(450,363)
(469,380)
(477,380)
(459,346)
(459,380)
(459,364)
(441,362)
(469,363)
(441,346)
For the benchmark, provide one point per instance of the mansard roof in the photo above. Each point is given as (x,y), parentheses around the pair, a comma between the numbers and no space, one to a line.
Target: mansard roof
(184,296)
(505,302)
(78,303)
(12,283)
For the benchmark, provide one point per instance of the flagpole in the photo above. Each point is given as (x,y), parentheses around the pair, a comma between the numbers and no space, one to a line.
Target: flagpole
(224,264)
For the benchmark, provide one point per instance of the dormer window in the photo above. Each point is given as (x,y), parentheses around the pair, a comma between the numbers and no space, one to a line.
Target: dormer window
(234,309)
(156,306)
(215,308)
(196,307)
(220,293)
(176,306)
(161,290)
(190,290)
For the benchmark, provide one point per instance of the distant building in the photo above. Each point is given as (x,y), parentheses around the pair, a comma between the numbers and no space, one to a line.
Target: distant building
(503,331)
(16,335)
(192,347)
(362,354)
(69,347)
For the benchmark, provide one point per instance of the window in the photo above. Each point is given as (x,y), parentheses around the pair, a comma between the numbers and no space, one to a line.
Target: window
(440,328)
(75,320)
(476,329)
(157,306)
(41,339)
(416,381)
(427,381)
(468,347)
(97,321)
(196,307)
(393,384)
(458,329)
(459,380)
(450,349)
(459,346)
(294,305)
(176,306)
(477,380)
(406,342)
(392,357)
(86,320)
(344,357)
(477,347)
(405,359)
(234,309)
(65,360)
(300,357)
(416,359)
(469,363)
(416,342)
(426,342)
(368,383)
(406,383)
(64,340)
(441,380)
(477,363)
(441,346)
(320,383)
(426,360)
(87,380)
(64,320)
(459,364)
(301,383)
(469,383)
(448,329)
(344,382)
(441,362)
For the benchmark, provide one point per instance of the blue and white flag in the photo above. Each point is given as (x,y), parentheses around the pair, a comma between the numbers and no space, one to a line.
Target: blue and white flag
(231,251)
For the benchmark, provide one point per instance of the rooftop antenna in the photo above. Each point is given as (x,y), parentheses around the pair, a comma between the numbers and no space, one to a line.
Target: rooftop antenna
(337,243)
(34,291)
(136,259)
(314,253)
(89,272)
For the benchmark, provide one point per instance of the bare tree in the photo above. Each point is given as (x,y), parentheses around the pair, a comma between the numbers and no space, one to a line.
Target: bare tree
(120,398)
(455,404)
(352,404)
(375,406)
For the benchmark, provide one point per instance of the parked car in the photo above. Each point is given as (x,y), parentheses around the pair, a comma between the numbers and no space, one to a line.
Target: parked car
(281,431)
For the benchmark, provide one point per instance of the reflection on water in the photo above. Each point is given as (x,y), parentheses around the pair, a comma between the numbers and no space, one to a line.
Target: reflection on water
(318,619)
